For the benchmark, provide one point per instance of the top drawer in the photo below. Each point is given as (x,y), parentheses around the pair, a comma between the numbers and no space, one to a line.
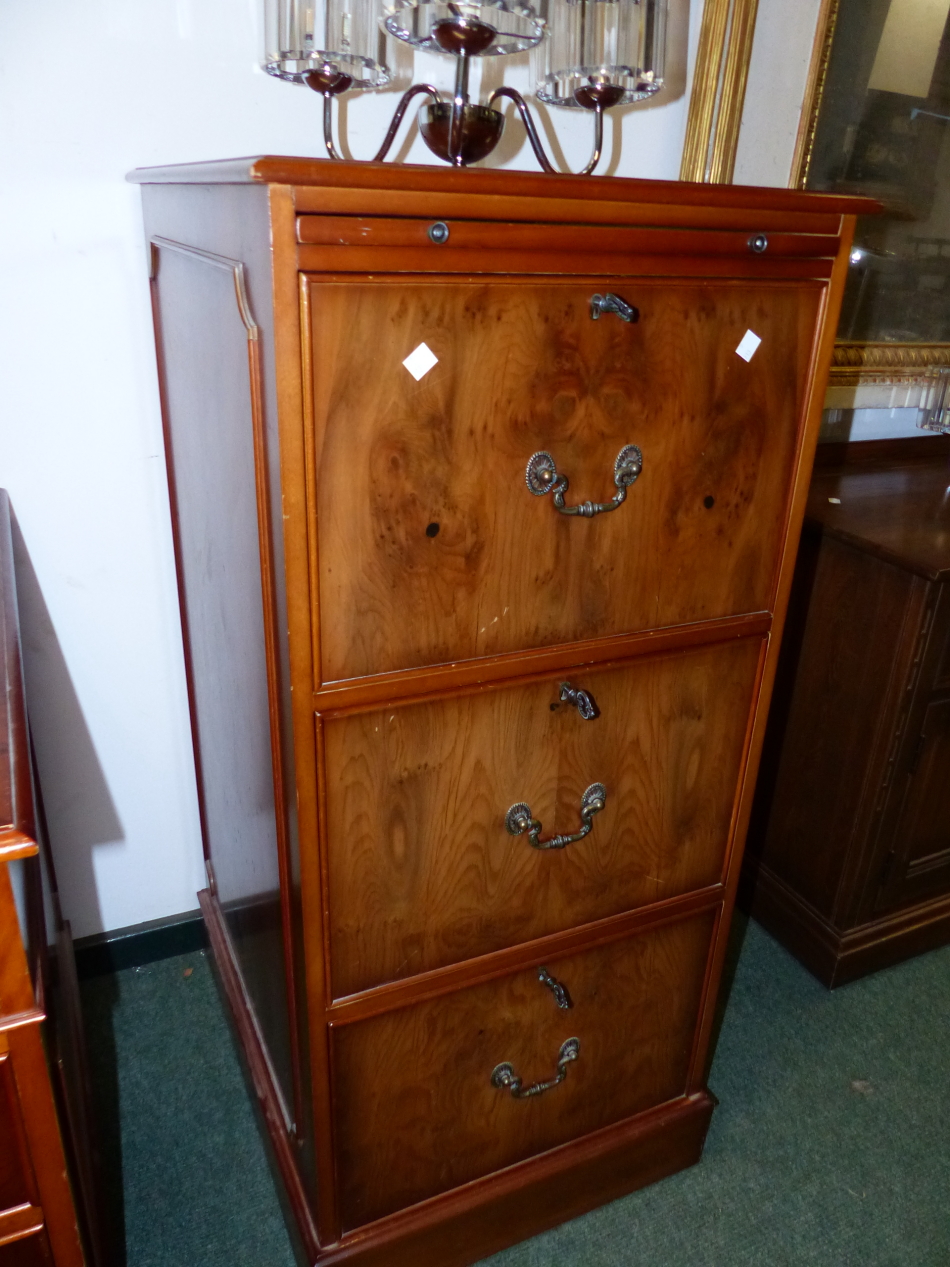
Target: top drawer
(430,547)
(404,244)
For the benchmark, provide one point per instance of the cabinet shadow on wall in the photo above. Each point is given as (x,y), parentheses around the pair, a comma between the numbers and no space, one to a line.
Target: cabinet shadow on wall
(80,812)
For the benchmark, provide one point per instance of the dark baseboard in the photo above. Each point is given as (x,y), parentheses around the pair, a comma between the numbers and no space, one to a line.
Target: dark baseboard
(140,944)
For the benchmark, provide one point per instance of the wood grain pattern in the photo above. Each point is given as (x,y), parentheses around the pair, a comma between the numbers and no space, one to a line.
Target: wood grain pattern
(505,570)
(444,204)
(836,956)
(584,238)
(899,511)
(464,1226)
(422,872)
(500,963)
(860,736)
(489,671)
(22,1220)
(374,181)
(838,693)
(592,263)
(382,617)
(480,217)
(416,1111)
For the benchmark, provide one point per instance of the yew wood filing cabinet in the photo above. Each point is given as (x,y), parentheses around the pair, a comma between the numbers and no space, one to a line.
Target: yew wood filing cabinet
(486,489)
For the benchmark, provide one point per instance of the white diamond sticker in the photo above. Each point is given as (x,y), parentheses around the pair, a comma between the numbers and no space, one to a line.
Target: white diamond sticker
(748,345)
(420,361)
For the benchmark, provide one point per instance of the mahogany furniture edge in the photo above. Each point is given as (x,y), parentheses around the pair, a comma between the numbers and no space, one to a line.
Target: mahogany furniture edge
(835,957)
(429,985)
(821,362)
(836,869)
(296,475)
(427,1227)
(834,454)
(258,1068)
(32,1108)
(17,817)
(282,170)
(465,1226)
(491,672)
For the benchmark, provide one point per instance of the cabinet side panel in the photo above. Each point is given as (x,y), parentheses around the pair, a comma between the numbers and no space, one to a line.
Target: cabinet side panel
(820,773)
(207,400)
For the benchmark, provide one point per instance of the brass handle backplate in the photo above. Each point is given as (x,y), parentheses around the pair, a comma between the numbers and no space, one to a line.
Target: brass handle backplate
(519,819)
(505,1079)
(541,477)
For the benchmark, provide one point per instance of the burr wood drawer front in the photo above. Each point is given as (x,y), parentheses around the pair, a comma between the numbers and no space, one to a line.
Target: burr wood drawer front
(464,825)
(422,1106)
(438,538)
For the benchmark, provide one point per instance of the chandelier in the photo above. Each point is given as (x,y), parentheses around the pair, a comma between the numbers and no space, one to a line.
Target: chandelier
(586,55)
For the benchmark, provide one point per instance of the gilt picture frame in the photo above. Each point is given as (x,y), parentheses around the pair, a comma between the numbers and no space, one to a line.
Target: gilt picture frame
(908,136)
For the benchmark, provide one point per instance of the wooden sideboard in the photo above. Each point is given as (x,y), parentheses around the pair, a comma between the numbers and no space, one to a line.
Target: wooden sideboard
(849,854)
(41,1061)
(474,770)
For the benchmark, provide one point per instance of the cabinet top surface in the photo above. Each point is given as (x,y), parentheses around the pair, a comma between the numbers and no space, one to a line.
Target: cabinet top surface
(899,510)
(278,170)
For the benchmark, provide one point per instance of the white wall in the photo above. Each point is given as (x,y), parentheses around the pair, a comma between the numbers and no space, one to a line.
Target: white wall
(87,92)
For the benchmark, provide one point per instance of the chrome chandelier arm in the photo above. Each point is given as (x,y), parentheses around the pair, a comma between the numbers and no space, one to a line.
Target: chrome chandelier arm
(328,126)
(528,122)
(598,140)
(397,118)
(535,139)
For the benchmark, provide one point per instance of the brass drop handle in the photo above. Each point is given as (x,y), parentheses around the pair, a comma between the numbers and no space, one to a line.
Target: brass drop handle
(519,819)
(613,303)
(541,477)
(505,1079)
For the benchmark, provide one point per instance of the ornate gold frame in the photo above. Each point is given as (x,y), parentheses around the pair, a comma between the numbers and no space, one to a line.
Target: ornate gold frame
(854,363)
(718,94)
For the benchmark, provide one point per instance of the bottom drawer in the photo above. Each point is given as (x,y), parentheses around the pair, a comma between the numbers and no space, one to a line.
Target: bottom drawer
(418,1111)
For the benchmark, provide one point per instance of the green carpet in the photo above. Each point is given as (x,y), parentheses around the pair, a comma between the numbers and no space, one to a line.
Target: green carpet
(831,1145)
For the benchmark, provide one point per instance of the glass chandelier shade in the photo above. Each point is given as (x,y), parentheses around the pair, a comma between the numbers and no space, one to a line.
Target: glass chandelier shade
(328,38)
(516,26)
(614,49)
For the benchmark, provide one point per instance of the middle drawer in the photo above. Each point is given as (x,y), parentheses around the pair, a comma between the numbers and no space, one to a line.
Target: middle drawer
(422,870)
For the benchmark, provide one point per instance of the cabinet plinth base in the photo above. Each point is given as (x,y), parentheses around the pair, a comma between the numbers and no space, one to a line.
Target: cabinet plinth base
(461,1227)
(835,956)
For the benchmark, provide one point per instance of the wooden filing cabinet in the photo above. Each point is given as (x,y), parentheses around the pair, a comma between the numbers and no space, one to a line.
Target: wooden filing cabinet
(849,861)
(475,770)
